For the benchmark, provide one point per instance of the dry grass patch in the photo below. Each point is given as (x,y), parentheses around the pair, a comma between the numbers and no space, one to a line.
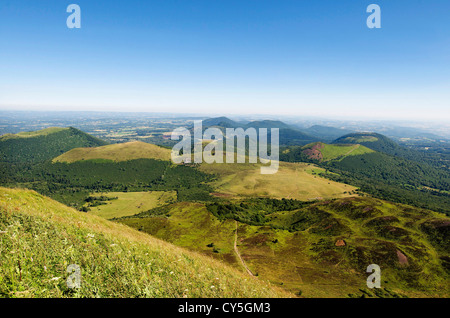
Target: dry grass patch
(116,152)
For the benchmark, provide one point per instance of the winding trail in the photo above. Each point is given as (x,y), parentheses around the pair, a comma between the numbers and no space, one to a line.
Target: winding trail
(351,150)
(238,254)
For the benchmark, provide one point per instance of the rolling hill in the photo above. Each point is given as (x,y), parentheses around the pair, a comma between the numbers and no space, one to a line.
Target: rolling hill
(303,228)
(116,152)
(326,133)
(320,249)
(42,145)
(72,176)
(101,173)
(288,135)
(221,122)
(385,176)
(386,145)
(373,141)
(322,152)
(267,123)
(114,260)
(292,180)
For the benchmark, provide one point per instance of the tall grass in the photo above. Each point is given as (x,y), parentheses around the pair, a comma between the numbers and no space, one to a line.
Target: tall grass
(40,237)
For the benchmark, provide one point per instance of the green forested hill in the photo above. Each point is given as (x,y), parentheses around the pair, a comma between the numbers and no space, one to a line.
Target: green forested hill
(288,135)
(321,152)
(385,176)
(26,161)
(395,179)
(386,145)
(38,146)
(71,183)
(326,133)
(371,140)
(117,152)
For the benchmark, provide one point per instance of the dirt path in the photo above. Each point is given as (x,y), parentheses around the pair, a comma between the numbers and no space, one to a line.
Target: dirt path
(238,254)
(354,148)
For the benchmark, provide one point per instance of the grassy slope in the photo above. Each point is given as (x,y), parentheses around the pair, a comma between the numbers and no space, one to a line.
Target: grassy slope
(130,203)
(116,152)
(239,180)
(379,143)
(190,225)
(30,134)
(358,138)
(338,152)
(374,231)
(331,152)
(307,258)
(293,180)
(40,237)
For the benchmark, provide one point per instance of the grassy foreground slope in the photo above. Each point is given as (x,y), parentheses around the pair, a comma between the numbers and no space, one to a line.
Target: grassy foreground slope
(40,237)
(117,152)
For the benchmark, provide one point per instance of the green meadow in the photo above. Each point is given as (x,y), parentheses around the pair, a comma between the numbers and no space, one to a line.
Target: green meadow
(120,204)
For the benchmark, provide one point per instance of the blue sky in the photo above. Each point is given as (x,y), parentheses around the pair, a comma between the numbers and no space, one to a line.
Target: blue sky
(311,57)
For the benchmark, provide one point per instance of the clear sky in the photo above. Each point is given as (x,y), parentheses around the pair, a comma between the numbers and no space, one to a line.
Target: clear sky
(299,57)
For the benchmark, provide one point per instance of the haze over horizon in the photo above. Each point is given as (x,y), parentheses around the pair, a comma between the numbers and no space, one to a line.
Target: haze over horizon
(280,58)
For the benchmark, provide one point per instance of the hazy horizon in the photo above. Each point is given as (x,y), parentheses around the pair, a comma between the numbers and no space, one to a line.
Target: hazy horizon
(257,116)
